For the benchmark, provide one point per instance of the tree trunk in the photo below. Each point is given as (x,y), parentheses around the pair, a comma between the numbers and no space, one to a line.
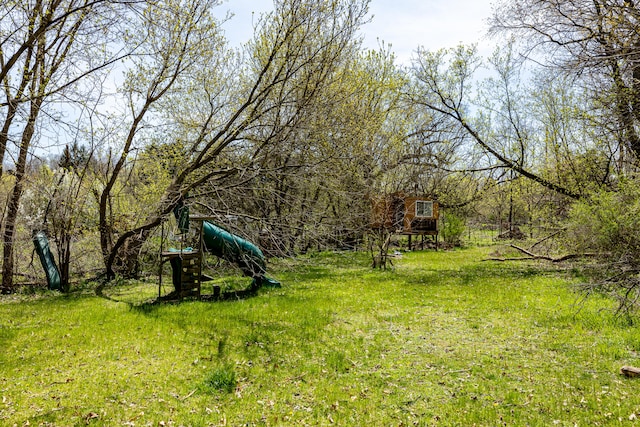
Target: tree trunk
(12,106)
(14,200)
(64,259)
(126,258)
(123,257)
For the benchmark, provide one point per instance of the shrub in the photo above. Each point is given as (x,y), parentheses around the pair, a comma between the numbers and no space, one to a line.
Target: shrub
(453,227)
(608,224)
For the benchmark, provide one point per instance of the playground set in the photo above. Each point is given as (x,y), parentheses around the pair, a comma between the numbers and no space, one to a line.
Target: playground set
(186,263)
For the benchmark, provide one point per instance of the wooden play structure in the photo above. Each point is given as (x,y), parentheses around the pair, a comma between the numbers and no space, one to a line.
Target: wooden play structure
(186,262)
(399,213)
(186,265)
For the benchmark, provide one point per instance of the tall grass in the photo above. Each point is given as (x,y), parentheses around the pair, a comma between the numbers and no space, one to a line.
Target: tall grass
(442,339)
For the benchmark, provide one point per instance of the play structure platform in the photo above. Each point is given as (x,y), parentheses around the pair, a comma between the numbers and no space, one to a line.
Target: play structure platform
(186,266)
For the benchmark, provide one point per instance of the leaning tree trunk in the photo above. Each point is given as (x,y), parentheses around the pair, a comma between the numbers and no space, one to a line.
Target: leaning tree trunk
(123,258)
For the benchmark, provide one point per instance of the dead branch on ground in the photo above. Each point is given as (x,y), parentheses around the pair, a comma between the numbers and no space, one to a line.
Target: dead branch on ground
(533,256)
(544,239)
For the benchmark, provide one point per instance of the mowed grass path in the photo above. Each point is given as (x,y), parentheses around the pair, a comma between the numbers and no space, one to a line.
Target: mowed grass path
(443,339)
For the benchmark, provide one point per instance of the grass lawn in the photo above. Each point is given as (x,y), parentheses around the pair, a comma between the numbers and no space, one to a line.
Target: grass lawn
(443,339)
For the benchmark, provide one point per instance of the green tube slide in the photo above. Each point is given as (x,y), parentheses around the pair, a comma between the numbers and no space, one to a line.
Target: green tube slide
(41,244)
(235,249)
(227,246)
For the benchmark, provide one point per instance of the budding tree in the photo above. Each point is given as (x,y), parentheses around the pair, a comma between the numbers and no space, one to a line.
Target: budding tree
(218,115)
(48,49)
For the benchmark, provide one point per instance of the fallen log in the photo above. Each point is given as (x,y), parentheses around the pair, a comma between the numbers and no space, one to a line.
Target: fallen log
(555,233)
(534,256)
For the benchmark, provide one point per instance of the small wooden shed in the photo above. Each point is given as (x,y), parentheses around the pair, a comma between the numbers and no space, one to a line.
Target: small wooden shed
(403,214)
(420,216)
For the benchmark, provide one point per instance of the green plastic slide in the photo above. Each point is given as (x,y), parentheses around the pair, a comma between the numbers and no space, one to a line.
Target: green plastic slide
(229,247)
(235,249)
(41,244)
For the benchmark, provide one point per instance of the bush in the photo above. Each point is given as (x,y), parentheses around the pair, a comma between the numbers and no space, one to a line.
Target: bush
(453,228)
(608,225)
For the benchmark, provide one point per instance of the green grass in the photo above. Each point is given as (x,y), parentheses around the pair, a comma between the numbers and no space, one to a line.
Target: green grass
(442,339)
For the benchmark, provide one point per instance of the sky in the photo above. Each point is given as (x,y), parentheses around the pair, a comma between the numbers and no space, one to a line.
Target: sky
(403,24)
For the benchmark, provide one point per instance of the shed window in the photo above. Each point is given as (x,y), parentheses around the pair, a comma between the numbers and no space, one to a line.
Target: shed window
(424,208)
